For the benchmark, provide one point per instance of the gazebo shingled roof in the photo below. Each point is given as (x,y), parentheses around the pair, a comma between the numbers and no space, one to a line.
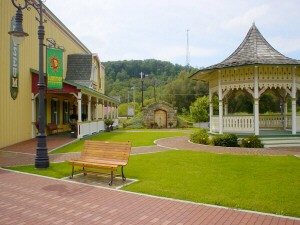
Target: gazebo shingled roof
(254,50)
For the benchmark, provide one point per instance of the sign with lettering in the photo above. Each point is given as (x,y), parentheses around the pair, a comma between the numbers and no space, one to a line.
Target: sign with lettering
(14,64)
(54,68)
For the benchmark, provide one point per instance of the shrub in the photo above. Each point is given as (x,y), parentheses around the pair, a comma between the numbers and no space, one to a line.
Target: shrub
(226,140)
(251,142)
(136,122)
(200,137)
(109,122)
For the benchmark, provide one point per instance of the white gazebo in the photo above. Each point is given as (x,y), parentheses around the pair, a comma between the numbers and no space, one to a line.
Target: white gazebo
(254,68)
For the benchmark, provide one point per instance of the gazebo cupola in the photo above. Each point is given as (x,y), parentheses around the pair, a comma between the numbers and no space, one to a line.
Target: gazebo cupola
(254,68)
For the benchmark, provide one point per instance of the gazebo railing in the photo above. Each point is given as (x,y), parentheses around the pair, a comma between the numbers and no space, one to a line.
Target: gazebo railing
(245,123)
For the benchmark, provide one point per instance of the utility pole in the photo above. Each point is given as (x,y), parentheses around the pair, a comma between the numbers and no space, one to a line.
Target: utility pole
(133,90)
(143,75)
(154,89)
(187,51)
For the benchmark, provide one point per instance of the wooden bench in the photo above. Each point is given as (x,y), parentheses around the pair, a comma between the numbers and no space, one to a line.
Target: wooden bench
(102,155)
(53,127)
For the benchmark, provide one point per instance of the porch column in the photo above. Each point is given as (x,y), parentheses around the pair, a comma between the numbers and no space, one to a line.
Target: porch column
(97,109)
(256,102)
(79,107)
(106,109)
(220,105)
(89,107)
(211,111)
(117,111)
(294,118)
(111,110)
(103,109)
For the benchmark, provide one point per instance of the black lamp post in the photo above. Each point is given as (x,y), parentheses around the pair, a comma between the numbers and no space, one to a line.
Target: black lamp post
(41,159)
(143,75)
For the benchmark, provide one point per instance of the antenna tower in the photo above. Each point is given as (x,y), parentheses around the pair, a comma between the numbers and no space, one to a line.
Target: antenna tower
(187,50)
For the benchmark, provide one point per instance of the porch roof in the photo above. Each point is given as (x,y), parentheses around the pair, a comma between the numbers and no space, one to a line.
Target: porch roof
(69,87)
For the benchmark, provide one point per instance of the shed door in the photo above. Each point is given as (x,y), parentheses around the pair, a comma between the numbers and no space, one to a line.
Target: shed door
(160,117)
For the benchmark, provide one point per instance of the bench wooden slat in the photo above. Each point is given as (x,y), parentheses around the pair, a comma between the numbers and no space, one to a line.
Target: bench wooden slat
(103,155)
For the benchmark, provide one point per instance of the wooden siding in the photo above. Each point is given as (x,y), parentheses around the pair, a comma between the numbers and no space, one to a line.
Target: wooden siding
(16,115)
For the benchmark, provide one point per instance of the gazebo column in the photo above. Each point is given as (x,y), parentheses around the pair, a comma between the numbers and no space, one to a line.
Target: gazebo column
(256,102)
(294,118)
(226,108)
(211,111)
(220,105)
(285,111)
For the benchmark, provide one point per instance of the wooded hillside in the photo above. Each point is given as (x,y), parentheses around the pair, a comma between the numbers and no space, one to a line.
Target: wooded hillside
(165,81)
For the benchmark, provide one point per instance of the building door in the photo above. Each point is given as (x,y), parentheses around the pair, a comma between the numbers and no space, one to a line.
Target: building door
(160,117)
(55,111)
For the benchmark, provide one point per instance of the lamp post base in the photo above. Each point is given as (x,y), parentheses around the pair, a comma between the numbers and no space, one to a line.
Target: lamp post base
(42,158)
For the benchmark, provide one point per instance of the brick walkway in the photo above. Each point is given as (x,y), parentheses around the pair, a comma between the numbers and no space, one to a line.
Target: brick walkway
(30,199)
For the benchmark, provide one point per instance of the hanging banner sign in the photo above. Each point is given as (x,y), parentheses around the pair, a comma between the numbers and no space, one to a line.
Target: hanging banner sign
(54,68)
(14,64)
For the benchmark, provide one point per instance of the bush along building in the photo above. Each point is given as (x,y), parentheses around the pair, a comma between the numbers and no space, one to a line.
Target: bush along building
(74,77)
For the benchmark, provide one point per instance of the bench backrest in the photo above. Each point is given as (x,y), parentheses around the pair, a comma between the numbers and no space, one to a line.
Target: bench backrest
(104,150)
(52,126)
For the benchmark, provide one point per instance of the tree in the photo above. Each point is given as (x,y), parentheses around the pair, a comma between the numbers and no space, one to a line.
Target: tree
(200,109)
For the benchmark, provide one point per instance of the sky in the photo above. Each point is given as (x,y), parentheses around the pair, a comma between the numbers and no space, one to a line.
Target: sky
(148,29)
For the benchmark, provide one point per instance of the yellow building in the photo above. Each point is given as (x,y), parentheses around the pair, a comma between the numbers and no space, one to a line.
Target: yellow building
(82,90)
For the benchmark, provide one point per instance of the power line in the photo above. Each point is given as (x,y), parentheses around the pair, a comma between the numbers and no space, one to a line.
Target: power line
(181,94)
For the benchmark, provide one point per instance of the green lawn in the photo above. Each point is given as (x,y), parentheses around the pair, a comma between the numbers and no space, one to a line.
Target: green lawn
(137,138)
(262,183)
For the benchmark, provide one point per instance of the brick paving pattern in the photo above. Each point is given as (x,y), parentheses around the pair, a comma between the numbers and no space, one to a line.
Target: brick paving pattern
(29,199)
(183,143)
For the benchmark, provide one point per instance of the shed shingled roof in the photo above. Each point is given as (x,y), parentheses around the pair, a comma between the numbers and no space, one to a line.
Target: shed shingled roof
(254,50)
(79,67)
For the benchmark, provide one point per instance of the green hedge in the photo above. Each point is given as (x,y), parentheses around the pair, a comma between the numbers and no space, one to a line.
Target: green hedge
(226,140)
(200,137)
(251,142)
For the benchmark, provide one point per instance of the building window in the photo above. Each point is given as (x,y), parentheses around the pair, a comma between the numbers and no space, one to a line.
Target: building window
(66,112)
(55,111)
(94,72)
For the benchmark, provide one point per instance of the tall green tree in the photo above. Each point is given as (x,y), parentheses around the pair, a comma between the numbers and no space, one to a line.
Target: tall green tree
(200,109)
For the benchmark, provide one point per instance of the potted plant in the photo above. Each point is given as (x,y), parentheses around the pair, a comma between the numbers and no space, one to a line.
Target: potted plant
(109,123)
(73,126)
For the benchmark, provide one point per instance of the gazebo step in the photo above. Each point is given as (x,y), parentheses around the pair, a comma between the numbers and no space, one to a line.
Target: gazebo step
(281,142)
(282,145)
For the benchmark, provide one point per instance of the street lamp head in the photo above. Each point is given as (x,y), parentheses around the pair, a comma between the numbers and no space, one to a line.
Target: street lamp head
(17,34)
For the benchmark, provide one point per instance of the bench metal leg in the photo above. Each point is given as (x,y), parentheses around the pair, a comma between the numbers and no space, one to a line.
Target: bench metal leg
(71,176)
(111,178)
(123,177)
(84,173)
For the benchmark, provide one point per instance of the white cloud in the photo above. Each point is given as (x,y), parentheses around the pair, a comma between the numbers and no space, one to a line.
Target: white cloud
(135,29)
